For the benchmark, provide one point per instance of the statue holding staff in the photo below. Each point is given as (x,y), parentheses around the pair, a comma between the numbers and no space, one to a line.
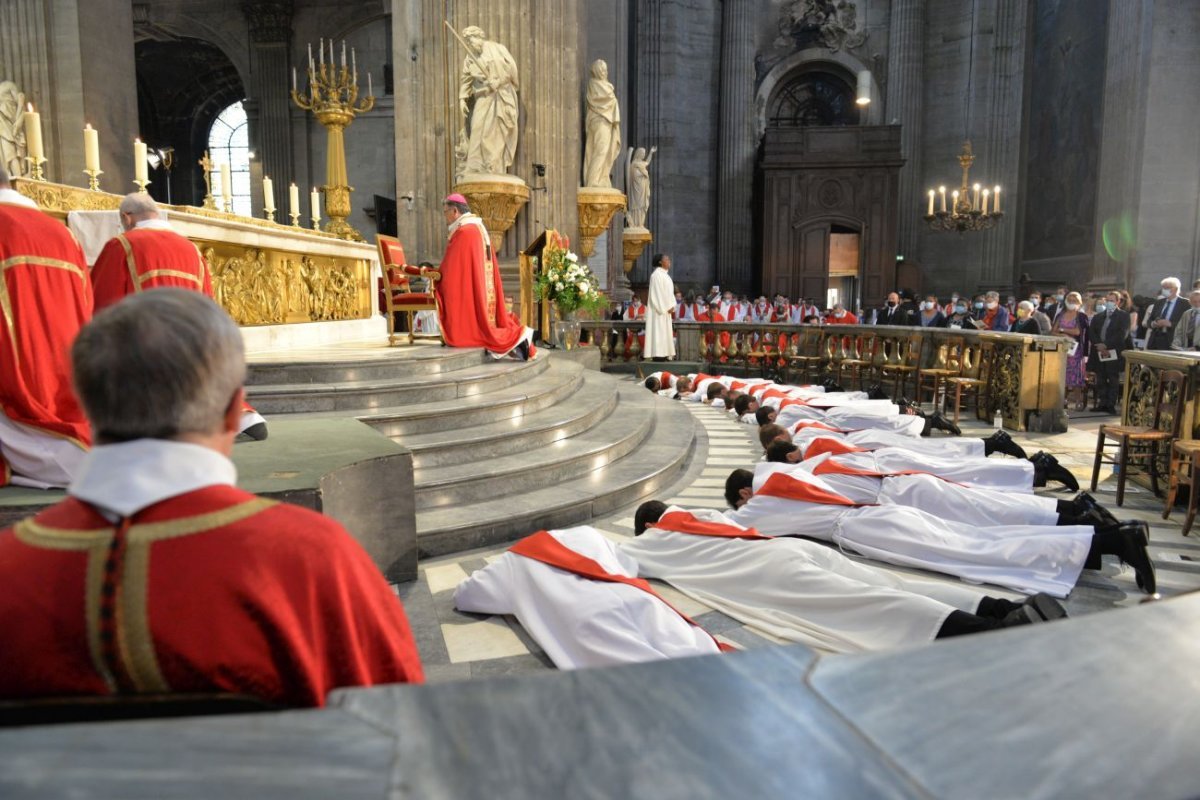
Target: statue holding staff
(487,95)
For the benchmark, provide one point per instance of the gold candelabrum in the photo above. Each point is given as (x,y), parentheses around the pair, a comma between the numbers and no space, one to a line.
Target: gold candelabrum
(971,207)
(332,96)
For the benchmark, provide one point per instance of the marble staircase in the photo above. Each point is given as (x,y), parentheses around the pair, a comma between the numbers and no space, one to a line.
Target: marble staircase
(500,448)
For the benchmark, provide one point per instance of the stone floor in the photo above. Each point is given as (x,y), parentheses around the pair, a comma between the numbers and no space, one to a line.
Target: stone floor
(455,645)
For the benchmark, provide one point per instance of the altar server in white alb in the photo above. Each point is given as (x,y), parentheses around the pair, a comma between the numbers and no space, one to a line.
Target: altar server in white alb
(579,597)
(806,592)
(660,302)
(1027,558)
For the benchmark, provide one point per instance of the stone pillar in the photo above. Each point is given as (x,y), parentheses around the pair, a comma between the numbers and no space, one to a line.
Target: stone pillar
(270,25)
(1002,160)
(74,61)
(645,130)
(905,93)
(735,164)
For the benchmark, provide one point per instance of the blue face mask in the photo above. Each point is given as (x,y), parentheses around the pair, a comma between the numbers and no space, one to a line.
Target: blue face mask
(1101,307)
(978,305)
(960,309)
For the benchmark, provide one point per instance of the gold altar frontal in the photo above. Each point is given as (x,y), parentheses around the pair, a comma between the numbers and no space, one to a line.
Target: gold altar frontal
(264,273)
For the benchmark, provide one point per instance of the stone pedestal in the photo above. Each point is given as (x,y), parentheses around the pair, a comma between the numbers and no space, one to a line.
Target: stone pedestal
(497,199)
(633,242)
(596,208)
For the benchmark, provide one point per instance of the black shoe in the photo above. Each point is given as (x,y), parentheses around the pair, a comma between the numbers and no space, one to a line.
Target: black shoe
(1001,442)
(1084,505)
(938,421)
(1039,608)
(255,433)
(1052,471)
(876,393)
(910,408)
(831,386)
(1135,552)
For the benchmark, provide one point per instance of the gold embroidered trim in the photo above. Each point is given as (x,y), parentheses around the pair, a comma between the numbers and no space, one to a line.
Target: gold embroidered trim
(130,263)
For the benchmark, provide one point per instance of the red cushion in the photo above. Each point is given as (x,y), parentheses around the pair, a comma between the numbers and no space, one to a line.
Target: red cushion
(392,251)
(412,299)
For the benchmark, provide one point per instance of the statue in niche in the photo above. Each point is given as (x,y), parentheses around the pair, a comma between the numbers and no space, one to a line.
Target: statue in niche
(603,129)
(637,186)
(12,129)
(487,95)
(829,23)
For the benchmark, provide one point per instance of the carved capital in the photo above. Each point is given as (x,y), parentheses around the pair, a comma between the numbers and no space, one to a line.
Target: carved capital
(596,209)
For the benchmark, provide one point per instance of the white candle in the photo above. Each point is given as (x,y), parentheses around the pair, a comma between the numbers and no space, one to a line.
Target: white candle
(954,201)
(369,92)
(975,198)
(226,187)
(985,200)
(321,51)
(315,200)
(294,200)
(343,53)
(996,200)
(354,64)
(930,213)
(942,192)
(293,79)
(139,161)
(268,195)
(310,64)
(91,148)
(33,134)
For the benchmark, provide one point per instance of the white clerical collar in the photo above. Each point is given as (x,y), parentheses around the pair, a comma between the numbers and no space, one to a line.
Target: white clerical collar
(154,224)
(16,198)
(127,477)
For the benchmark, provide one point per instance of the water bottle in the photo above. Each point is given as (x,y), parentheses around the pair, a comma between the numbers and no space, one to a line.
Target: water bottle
(998,420)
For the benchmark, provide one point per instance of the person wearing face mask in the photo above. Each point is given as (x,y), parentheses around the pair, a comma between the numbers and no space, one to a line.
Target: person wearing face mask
(1108,334)
(995,316)
(1037,315)
(1056,303)
(893,313)
(948,309)
(1164,316)
(930,315)
(959,316)
(1025,322)
(1187,332)
(840,316)
(1073,323)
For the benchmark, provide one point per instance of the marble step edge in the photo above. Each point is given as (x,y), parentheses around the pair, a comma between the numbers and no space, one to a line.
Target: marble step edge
(438,360)
(465,374)
(609,440)
(592,401)
(368,395)
(656,465)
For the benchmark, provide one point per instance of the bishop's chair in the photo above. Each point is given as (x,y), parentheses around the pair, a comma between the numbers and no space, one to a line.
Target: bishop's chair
(396,295)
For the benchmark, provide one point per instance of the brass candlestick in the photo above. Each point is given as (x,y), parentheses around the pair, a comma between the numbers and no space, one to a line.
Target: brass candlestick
(141,186)
(93,178)
(270,214)
(35,167)
(295,218)
(332,96)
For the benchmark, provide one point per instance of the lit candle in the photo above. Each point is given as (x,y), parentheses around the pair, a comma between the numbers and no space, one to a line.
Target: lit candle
(985,200)
(268,195)
(226,187)
(139,161)
(996,200)
(91,148)
(33,134)
(294,200)
(942,192)
(954,201)
(315,201)
(975,198)
(930,213)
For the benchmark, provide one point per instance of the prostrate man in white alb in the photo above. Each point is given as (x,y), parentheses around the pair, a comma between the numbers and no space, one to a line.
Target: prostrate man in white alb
(806,592)
(578,596)
(660,302)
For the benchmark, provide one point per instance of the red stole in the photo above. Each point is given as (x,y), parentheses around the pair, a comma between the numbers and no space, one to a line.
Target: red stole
(543,547)
(826,444)
(784,486)
(471,296)
(806,423)
(686,522)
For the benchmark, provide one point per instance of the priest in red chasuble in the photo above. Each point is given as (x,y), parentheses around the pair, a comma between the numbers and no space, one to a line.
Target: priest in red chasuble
(157,574)
(45,298)
(150,255)
(470,295)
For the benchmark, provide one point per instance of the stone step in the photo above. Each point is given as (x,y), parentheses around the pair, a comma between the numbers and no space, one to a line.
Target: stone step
(559,381)
(420,360)
(594,400)
(286,398)
(652,465)
(474,480)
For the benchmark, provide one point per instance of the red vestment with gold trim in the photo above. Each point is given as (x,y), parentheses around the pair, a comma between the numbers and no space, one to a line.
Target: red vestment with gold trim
(148,258)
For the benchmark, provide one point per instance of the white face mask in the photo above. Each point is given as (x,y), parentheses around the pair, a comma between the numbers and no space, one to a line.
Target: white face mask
(839,313)
(1165,293)
(1101,308)
(1072,306)
(926,306)
(992,305)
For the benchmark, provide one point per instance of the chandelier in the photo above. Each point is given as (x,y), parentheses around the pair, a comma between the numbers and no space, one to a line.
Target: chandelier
(972,207)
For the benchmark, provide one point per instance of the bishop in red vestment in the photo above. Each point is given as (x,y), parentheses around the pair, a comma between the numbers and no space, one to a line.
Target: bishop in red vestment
(45,298)
(470,294)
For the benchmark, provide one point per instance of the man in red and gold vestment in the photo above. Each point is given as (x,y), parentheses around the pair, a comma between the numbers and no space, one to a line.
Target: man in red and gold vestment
(45,298)
(150,255)
(470,295)
(157,574)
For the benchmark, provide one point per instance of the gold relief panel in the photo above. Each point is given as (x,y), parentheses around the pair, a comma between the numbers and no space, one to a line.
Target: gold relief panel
(271,287)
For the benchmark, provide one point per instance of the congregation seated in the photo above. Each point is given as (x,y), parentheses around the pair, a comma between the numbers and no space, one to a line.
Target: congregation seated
(156,574)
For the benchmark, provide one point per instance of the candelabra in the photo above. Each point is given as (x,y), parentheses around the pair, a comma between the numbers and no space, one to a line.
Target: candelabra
(332,96)
(971,207)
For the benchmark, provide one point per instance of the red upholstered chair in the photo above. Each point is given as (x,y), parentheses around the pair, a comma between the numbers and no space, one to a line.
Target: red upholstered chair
(397,297)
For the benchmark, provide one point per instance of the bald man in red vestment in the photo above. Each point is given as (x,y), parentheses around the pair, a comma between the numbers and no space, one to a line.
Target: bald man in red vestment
(157,574)
(45,298)
(150,255)
(470,295)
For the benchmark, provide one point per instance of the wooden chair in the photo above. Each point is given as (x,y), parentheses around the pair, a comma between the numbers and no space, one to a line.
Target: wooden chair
(1185,471)
(905,360)
(109,708)
(972,379)
(1163,429)
(396,294)
(948,363)
(804,354)
(858,360)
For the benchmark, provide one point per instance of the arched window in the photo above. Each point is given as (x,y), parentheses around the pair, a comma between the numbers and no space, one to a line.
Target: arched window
(813,98)
(229,143)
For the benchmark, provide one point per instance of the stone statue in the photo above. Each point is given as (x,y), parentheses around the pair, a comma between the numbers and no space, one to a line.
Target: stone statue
(12,129)
(637,186)
(487,95)
(603,129)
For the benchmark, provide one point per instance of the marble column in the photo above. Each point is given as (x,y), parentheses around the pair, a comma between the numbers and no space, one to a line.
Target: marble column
(1002,160)
(270,26)
(735,164)
(1126,83)
(905,92)
(74,76)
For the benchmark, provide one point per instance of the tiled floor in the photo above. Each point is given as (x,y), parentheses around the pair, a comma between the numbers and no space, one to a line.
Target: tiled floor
(455,645)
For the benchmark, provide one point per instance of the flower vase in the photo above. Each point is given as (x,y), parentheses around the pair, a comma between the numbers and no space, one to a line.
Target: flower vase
(566,329)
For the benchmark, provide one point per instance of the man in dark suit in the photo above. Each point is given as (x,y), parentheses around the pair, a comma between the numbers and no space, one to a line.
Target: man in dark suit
(1056,303)
(1187,332)
(1164,315)
(893,313)
(1107,333)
